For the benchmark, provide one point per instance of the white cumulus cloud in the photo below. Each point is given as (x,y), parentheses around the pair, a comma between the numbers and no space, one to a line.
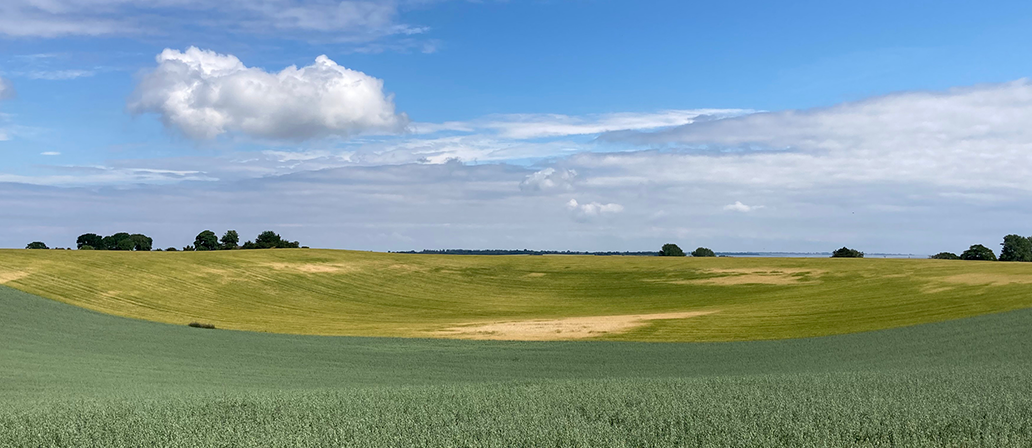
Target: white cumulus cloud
(549,179)
(738,206)
(592,209)
(205,94)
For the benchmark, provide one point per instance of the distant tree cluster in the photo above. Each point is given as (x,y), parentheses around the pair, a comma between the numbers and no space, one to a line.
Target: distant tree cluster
(703,252)
(118,241)
(670,250)
(673,250)
(846,252)
(207,240)
(1015,248)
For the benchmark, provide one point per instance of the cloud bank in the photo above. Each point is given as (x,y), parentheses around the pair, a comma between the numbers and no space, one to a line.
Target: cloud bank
(205,94)
(916,172)
(973,137)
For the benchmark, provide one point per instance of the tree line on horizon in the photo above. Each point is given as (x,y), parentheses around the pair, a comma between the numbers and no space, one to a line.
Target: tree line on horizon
(673,250)
(1015,248)
(206,240)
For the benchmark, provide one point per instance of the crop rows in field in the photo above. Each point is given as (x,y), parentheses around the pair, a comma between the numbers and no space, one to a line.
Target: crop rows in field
(373,294)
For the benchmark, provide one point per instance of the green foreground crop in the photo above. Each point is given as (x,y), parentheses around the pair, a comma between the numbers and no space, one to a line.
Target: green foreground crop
(330,292)
(71,377)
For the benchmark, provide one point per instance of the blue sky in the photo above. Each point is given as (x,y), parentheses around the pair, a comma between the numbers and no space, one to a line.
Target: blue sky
(584,125)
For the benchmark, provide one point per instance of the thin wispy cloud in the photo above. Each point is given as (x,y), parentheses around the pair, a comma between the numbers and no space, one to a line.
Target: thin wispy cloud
(6,89)
(351,21)
(973,137)
(59,75)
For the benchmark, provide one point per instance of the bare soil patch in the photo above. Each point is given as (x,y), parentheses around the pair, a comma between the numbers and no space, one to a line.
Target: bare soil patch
(12,276)
(560,329)
(312,268)
(728,277)
(991,279)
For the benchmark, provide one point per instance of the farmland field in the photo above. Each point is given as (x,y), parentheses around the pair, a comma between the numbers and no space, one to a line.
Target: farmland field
(329,292)
(70,376)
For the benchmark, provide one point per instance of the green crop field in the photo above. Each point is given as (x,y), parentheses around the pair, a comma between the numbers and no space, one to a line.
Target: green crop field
(72,377)
(329,292)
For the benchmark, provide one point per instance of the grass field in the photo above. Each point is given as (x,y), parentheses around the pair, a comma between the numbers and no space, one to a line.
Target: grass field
(329,292)
(71,377)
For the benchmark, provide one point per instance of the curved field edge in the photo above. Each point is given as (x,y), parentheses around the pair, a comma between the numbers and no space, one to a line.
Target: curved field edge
(72,377)
(347,293)
(52,348)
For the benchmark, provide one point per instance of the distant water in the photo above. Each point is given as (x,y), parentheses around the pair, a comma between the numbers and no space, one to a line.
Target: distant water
(812,255)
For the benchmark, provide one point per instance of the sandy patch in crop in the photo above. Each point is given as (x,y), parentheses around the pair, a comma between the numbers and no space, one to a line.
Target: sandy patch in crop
(992,279)
(536,274)
(12,276)
(312,268)
(560,329)
(932,289)
(406,268)
(727,277)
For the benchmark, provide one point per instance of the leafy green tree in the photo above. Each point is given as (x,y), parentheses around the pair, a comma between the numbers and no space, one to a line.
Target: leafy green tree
(87,247)
(846,252)
(271,240)
(703,252)
(945,256)
(671,250)
(230,240)
(118,241)
(1016,248)
(249,245)
(171,249)
(89,239)
(141,242)
(206,240)
(978,252)
(126,244)
(189,248)
(36,245)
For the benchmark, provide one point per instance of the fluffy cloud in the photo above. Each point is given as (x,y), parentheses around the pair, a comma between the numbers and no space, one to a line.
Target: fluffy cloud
(205,94)
(346,20)
(549,179)
(592,209)
(738,206)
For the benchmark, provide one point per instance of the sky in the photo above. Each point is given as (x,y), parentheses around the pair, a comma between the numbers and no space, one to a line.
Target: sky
(552,125)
